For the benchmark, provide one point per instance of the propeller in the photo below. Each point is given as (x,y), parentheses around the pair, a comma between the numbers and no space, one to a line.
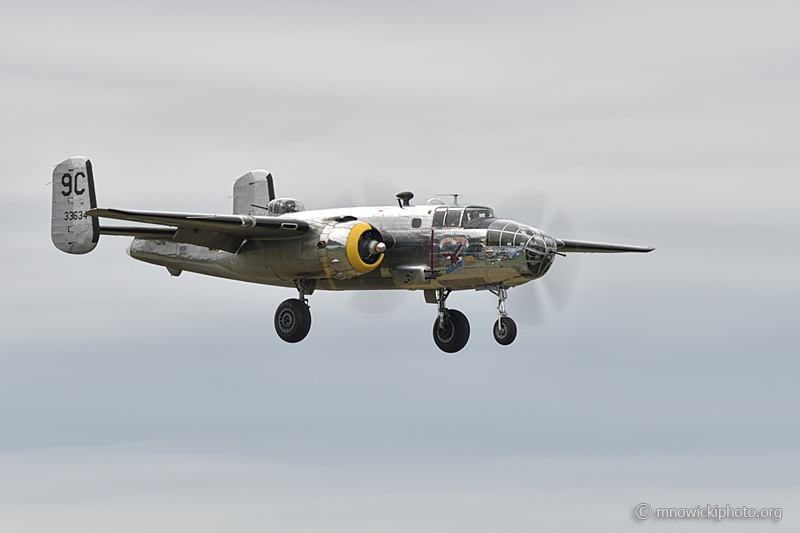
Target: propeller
(532,304)
(368,191)
(372,191)
(535,302)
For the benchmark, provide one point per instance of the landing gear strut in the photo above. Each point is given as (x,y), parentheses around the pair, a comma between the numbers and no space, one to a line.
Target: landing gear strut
(505,329)
(451,329)
(293,316)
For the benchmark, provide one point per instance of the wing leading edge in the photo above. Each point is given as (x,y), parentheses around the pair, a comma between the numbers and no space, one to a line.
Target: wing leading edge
(566,245)
(223,232)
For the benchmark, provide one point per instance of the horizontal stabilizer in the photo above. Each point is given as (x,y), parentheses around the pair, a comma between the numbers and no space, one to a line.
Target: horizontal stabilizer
(246,226)
(138,231)
(566,245)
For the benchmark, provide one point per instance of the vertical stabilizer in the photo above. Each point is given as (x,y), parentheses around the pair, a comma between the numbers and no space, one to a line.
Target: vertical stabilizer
(73,195)
(252,192)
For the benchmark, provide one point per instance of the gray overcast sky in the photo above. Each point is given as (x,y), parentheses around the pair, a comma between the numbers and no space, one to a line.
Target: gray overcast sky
(132,401)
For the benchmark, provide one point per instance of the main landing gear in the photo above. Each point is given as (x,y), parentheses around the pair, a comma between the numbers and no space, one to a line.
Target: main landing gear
(451,329)
(293,316)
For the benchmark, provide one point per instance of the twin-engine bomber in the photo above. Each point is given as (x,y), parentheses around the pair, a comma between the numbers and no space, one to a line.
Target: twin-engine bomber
(435,247)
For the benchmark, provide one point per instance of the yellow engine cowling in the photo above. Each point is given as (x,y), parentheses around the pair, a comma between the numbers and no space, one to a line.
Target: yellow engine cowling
(349,249)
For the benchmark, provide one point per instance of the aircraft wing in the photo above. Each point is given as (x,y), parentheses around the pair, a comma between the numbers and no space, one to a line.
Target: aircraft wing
(567,245)
(223,232)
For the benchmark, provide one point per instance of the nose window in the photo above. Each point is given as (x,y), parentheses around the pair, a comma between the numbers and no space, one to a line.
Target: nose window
(520,239)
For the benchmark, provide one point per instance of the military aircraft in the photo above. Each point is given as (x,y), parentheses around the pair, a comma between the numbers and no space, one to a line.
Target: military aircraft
(433,247)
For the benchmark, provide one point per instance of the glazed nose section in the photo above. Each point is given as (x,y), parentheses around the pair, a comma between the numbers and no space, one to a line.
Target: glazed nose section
(539,253)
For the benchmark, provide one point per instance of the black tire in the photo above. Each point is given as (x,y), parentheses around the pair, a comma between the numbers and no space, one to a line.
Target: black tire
(292,320)
(505,330)
(454,333)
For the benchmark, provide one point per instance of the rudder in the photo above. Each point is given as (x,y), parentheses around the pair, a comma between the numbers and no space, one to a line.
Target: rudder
(71,229)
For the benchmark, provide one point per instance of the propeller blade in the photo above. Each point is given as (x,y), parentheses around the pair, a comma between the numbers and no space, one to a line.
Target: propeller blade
(376,304)
(532,304)
(364,192)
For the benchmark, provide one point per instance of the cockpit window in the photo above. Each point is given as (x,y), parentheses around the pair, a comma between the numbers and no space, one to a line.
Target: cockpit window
(453,218)
(474,213)
(438,217)
(459,217)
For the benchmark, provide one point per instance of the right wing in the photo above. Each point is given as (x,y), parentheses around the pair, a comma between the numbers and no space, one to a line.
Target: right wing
(567,245)
(223,232)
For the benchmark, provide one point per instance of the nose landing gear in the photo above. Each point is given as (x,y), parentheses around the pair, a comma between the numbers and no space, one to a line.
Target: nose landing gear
(293,316)
(505,329)
(451,329)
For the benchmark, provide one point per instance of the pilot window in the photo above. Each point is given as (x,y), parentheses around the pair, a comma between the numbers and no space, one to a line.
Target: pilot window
(474,213)
(453,218)
(438,217)
(459,217)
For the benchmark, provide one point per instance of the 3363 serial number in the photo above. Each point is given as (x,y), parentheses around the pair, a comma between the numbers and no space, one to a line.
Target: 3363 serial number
(75,215)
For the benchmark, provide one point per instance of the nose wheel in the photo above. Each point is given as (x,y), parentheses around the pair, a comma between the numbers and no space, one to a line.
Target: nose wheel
(505,329)
(451,329)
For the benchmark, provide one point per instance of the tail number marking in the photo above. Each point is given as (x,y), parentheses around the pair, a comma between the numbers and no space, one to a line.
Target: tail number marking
(72,185)
(75,215)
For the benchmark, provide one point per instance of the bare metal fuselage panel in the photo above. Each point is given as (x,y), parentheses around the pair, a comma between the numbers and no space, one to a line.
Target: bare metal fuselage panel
(419,256)
(276,242)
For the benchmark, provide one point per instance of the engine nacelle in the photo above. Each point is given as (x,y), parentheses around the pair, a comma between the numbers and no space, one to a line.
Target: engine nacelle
(349,249)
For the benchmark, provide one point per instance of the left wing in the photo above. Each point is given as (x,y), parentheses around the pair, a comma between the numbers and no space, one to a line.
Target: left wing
(224,232)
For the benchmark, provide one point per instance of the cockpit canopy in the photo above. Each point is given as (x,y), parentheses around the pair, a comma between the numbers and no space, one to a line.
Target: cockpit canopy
(459,216)
(280,206)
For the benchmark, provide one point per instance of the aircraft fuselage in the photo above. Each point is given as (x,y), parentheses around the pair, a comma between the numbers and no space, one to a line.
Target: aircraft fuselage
(423,254)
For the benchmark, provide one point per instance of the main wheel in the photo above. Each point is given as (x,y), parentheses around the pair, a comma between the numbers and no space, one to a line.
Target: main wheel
(505,330)
(453,333)
(292,320)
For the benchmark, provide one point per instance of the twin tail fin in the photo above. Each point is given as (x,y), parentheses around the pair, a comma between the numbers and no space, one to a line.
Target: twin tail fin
(71,229)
